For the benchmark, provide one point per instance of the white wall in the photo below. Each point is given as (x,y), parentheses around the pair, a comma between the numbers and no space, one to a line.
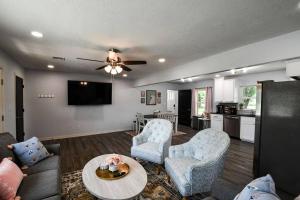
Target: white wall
(10,71)
(274,49)
(47,118)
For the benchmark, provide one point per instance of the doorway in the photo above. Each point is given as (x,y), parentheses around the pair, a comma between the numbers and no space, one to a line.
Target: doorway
(19,110)
(172,101)
(1,102)
(184,107)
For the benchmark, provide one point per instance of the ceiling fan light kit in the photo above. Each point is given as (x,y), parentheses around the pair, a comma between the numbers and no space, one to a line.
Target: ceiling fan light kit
(114,64)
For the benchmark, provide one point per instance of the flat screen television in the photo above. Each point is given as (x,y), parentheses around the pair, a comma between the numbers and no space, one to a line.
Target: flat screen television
(89,93)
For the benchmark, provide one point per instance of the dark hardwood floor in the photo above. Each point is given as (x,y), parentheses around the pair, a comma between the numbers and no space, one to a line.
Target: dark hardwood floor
(76,152)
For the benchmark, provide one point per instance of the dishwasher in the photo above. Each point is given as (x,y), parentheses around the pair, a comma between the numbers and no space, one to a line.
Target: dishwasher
(231,125)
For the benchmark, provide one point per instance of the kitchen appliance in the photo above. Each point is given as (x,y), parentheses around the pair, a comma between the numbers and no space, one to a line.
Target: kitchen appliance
(227,108)
(231,125)
(276,147)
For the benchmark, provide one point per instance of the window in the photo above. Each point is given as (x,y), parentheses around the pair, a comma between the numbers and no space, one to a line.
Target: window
(248,97)
(201,98)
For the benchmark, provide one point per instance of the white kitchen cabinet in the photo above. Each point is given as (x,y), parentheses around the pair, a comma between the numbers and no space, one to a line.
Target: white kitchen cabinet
(226,90)
(247,132)
(218,89)
(216,121)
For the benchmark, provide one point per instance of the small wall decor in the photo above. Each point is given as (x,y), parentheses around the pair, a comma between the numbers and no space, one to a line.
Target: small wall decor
(143,94)
(150,97)
(142,100)
(158,99)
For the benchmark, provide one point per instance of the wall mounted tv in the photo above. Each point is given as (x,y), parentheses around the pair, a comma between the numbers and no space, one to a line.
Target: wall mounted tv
(89,93)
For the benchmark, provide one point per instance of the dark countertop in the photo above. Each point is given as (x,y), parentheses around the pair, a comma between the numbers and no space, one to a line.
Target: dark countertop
(241,115)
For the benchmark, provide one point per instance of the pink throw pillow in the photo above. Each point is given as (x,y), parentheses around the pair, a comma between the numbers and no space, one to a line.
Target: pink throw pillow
(10,179)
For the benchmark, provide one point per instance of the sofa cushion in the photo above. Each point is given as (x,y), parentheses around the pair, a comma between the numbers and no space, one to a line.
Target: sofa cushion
(176,168)
(52,162)
(40,185)
(6,139)
(148,151)
(10,179)
(30,151)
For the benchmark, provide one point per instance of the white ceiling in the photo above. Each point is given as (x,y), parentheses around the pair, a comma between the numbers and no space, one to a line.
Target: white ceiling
(179,30)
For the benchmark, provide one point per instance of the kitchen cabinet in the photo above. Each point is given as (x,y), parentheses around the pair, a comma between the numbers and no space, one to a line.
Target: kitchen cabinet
(247,129)
(216,121)
(226,90)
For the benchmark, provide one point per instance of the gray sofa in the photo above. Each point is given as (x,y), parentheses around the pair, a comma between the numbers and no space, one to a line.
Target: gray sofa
(43,180)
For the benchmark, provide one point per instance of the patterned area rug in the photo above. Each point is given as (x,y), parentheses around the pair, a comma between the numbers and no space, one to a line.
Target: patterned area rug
(133,133)
(157,187)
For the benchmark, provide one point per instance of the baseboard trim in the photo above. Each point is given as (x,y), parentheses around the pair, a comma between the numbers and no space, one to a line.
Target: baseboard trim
(65,136)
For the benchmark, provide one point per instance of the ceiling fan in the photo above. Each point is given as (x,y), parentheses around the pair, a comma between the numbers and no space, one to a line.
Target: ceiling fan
(113,63)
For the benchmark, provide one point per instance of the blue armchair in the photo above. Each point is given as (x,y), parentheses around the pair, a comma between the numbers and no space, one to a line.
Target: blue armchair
(195,165)
(153,143)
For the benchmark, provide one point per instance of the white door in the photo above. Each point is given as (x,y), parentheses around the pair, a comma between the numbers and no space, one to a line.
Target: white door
(172,101)
(1,101)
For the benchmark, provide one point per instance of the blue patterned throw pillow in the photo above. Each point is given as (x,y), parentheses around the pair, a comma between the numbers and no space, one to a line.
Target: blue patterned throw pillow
(30,151)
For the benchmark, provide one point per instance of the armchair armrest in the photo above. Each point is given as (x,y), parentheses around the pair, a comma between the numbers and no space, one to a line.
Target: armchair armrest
(138,139)
(53,148)
(178,151)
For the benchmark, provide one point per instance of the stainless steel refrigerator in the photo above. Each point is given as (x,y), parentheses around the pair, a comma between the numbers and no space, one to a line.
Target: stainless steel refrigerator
(277,134)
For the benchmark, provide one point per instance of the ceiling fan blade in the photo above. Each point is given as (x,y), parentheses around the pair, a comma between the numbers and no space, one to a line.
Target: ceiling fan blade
(90,59)
(126,68)
(135,62)
(101,67)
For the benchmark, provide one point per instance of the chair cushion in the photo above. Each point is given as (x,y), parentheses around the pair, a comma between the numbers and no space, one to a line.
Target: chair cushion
(10,179)
(6,139)
(176,168)
(30,151)
(147,151)
(52,162)
(40,185)
(262,188)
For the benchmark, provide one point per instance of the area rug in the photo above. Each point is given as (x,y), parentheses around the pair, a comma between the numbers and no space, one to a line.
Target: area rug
(157,187)
(133,133)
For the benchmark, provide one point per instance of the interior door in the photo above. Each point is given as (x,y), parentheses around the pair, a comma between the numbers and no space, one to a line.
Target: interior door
(172,101)
(19,110)
(184,107)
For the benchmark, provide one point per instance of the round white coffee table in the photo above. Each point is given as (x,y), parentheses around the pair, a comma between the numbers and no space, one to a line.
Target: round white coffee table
(127,187)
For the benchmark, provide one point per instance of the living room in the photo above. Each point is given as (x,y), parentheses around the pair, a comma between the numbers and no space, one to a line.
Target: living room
(93,86)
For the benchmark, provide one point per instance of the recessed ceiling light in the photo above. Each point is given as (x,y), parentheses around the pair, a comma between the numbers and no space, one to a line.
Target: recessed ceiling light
(124,75)
(217,75)
(245,70)
(182,80)
(37,34)
(190,79)
(51,66)
(161,60)
(232,71)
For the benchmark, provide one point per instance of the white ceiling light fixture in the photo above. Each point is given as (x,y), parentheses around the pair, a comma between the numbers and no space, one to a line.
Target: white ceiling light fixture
(182,80)
(108,68)
(124,75)
(37,34)
(113,71)
(217,75)
(190,79)
(245,70)
(51,66)
(119,69)
(161,60)
(233,71)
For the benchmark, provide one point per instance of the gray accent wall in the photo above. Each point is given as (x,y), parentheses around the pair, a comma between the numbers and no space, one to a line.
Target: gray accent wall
(10,70)
(49,118)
